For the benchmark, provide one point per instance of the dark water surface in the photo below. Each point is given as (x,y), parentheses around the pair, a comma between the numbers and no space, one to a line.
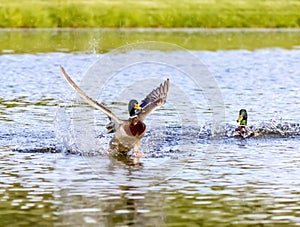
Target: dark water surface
(52,175)
(103,40)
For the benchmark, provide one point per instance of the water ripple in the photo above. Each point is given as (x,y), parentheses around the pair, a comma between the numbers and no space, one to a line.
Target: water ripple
(253,181)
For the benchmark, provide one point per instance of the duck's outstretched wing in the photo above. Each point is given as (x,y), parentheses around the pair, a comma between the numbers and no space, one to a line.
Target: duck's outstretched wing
(154,100)
(89,100)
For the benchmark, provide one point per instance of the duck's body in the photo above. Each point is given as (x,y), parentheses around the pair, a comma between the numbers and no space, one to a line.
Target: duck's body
(128,136)
(128,133)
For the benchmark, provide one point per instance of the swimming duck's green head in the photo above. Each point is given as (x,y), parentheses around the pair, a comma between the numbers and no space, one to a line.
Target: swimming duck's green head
(133,106)
(242,117)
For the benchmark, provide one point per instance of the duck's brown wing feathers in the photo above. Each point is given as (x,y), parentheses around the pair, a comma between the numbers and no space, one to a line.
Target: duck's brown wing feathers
(89,100)
(154,100)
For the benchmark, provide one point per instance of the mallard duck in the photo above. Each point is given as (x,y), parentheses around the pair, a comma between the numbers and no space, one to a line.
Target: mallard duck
(128,133)
(242,130)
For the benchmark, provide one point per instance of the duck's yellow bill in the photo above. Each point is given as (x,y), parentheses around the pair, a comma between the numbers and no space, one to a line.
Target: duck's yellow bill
(137,107)
(240,118)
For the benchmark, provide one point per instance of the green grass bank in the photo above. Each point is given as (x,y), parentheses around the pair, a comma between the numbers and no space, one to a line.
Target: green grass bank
(150,13)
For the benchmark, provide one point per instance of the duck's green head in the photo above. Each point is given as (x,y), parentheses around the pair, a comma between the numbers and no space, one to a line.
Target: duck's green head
(133,106)
(242,117)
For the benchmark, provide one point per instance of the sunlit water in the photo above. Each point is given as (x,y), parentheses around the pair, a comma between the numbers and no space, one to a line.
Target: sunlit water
(50,175)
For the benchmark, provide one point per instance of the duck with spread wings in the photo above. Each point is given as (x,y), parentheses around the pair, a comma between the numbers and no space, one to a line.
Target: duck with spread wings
(128,133)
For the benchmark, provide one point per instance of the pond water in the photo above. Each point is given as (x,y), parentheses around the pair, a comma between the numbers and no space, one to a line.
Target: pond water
(53,164)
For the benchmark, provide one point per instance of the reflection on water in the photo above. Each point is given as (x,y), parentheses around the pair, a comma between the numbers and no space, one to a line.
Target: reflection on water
(246,182)
(245,185)
(103,40)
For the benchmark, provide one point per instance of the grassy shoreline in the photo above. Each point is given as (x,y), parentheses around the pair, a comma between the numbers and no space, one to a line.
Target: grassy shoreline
(150,14)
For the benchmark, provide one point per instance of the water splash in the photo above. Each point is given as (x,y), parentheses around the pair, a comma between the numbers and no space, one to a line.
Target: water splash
(93,46)
(269,129)
(76,142)
(174,142)
(278,129)
(63,131)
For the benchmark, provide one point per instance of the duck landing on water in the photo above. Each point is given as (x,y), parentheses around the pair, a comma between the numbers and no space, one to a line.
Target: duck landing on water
(128,133)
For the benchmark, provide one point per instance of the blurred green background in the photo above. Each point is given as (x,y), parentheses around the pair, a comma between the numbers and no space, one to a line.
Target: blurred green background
(151,13)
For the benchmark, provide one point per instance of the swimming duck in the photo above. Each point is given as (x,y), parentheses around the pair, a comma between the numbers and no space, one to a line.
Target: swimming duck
(128,133)
(243,130)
